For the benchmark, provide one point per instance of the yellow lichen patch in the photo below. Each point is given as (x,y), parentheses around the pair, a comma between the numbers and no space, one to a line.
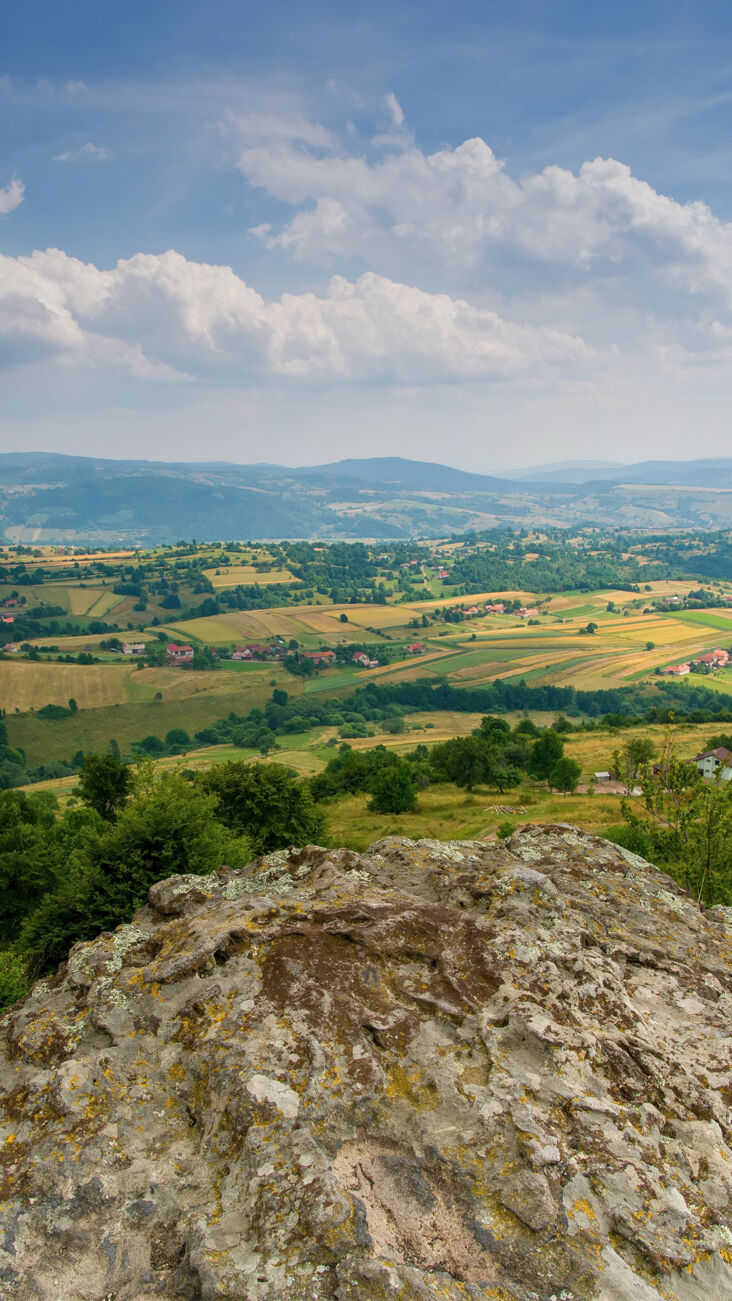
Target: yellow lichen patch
(410,1086)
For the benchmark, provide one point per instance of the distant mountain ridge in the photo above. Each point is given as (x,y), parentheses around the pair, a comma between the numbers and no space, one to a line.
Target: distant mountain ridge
(50,497)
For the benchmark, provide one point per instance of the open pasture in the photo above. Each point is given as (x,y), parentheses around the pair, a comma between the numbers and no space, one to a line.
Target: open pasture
(87,641)
(25,685)
(44,740)
(246,575)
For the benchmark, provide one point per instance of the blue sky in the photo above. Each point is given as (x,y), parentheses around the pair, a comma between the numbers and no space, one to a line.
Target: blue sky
(486,234)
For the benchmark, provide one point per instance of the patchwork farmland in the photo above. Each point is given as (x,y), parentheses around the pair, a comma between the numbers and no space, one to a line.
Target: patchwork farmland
(218,597)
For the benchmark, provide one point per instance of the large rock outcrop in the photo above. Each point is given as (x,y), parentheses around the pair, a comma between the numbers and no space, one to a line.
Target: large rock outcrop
(428,1071)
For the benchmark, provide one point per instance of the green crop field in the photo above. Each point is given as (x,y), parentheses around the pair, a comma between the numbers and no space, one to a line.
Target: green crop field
(716,619)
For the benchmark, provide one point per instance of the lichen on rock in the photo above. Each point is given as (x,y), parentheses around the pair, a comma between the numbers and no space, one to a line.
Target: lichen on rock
(429,1071)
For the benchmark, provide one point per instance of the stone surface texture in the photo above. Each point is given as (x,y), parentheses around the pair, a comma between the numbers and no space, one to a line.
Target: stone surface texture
(430,1071)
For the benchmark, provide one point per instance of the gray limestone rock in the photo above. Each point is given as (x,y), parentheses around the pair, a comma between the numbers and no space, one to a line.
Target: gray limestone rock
(429,1071)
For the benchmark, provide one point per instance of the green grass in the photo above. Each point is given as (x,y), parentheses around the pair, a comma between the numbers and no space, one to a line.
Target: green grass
(44,740)
(335,680)
(446,813)
(705,618)
(244,666)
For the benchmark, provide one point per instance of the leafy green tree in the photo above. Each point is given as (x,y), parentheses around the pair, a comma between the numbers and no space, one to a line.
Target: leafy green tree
(177,739)
(155,654)
(628,760)
(686,824)
(564,775)
(168,827)
(151,745)
(462,760)
(29,860)
(264,802)
(492,729)
(546,751)
(393,790)
(104,784)
(499,772)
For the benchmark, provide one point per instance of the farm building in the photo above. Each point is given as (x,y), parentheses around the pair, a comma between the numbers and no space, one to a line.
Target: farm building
(715,659)
(323,657)
(179,654)
(711,762)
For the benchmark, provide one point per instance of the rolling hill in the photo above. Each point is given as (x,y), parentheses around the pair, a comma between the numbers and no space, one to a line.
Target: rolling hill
(47,497)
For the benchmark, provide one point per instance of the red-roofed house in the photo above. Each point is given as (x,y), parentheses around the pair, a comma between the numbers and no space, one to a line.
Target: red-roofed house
(716,658)
(180,654)
(324,657)
(241,653)
(678,670)
(416,648)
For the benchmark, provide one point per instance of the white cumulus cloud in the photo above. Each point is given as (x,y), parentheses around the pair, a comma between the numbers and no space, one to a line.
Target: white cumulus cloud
(11,196)
(165,315)
(457,210)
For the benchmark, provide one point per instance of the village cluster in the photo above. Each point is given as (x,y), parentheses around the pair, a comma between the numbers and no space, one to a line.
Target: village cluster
(706,663)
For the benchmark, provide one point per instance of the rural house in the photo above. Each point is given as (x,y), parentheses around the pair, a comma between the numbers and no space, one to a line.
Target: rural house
(416,648)
(181,655)
(322,657)
(241,653)
(712,761)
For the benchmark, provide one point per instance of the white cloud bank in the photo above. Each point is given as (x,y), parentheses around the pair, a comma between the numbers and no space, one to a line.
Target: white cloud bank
(161,315)
(11,196)
(457,209)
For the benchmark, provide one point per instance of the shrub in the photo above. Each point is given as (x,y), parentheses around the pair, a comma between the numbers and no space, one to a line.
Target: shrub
(393,790)
(14,980)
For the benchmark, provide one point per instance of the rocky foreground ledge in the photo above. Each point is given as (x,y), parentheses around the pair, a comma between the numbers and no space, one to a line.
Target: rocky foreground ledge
(428,1071)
